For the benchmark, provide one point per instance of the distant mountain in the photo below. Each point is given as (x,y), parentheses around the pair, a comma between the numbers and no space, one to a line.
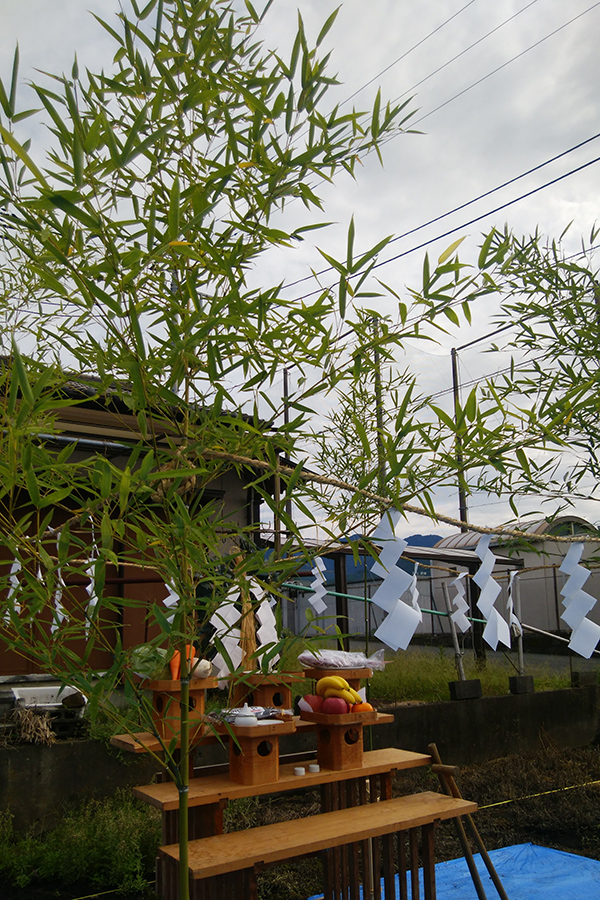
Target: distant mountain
(423,540)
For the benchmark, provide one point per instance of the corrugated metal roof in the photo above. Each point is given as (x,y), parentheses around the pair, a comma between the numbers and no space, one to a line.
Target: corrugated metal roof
(543,527)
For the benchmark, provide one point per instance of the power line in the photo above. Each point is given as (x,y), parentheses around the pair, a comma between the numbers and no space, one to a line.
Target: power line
(499,187)
(473,381)
(459,94)
(408,52)
(445,234)
(507,63)
(468,203)
(491,212)
(462,53)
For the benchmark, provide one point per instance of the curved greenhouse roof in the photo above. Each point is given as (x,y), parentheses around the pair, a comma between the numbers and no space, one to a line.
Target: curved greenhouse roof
(545,528)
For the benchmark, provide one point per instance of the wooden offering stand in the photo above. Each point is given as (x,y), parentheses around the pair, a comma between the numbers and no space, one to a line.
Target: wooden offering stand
(166,706)
(254,750)
(273,690)
(340,737)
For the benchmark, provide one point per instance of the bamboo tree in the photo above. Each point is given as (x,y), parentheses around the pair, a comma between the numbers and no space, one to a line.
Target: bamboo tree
(126,248)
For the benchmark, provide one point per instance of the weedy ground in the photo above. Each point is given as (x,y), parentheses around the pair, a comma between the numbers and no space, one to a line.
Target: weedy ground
(110,845)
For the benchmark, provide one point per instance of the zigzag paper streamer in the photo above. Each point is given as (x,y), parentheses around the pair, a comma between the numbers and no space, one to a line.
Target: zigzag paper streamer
(399,626)
(459,616)
(267,632)
(91,588)
(59,613)
(514,624)
(223,621)
(496,629)
(585,633)
(318,587)
(170,602)
(414,592)
(13,580)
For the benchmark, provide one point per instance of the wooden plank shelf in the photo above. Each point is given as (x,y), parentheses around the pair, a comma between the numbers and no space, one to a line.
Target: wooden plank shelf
(146,742)
(165,684)
(269,726)
(214,788)
(368,717)
(268,844)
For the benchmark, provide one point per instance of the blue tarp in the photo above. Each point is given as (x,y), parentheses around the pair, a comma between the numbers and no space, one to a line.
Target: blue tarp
(526,871)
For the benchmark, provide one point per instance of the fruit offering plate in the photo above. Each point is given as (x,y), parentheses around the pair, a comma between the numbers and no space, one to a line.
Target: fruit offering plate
(316,674)
(367,718)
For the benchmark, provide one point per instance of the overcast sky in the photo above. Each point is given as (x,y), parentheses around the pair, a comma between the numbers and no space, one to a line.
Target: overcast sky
(520,96)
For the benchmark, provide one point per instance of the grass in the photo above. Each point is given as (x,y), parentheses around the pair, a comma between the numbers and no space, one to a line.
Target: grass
(423,675)
(101,845)
(109,845)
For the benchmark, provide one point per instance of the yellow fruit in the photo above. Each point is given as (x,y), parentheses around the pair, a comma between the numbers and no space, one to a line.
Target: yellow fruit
(342,694)
(356,695)
(331,681)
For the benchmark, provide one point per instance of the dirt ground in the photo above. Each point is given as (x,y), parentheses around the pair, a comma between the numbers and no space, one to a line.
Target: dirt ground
(546,799)
(564,815)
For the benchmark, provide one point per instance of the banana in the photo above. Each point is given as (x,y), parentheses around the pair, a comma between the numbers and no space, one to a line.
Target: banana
(331,681)
(356,695)
(343,694)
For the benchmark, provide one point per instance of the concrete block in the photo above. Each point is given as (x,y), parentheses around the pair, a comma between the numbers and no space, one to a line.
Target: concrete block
(584,679)
(521,684)
(465,690)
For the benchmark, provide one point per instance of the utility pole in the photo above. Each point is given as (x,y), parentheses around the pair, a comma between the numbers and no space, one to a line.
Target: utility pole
(381,469)
(462,490)
(473,590)
(286,607)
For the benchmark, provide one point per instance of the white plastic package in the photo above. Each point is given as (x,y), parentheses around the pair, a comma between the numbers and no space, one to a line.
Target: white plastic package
(341,659)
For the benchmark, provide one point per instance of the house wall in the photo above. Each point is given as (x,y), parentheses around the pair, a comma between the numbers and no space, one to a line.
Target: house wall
(140,588)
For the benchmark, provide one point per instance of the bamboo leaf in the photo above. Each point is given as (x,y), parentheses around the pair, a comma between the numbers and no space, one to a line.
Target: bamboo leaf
(375,129)
(470,407)
(68,207)
(22,379)
(327,26)
(21,152)
(32,487)
(450,250)
(350,244)
(12,101)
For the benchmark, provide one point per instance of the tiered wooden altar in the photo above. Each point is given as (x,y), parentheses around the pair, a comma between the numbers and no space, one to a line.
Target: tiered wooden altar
(365,837)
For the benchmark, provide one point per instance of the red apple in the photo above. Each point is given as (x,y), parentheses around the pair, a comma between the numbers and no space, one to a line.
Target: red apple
(334,706)
(314,701)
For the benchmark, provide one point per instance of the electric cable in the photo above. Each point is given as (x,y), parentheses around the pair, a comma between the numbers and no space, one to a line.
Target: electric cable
(473,381)
(462,53)
(468,203)
(507,63)
(408,52)
(491,212)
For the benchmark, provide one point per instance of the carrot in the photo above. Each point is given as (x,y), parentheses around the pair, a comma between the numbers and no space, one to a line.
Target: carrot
(175,661)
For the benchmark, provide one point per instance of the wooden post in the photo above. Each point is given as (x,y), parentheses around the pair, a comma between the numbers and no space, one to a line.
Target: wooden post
(458,655)
(341,603)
